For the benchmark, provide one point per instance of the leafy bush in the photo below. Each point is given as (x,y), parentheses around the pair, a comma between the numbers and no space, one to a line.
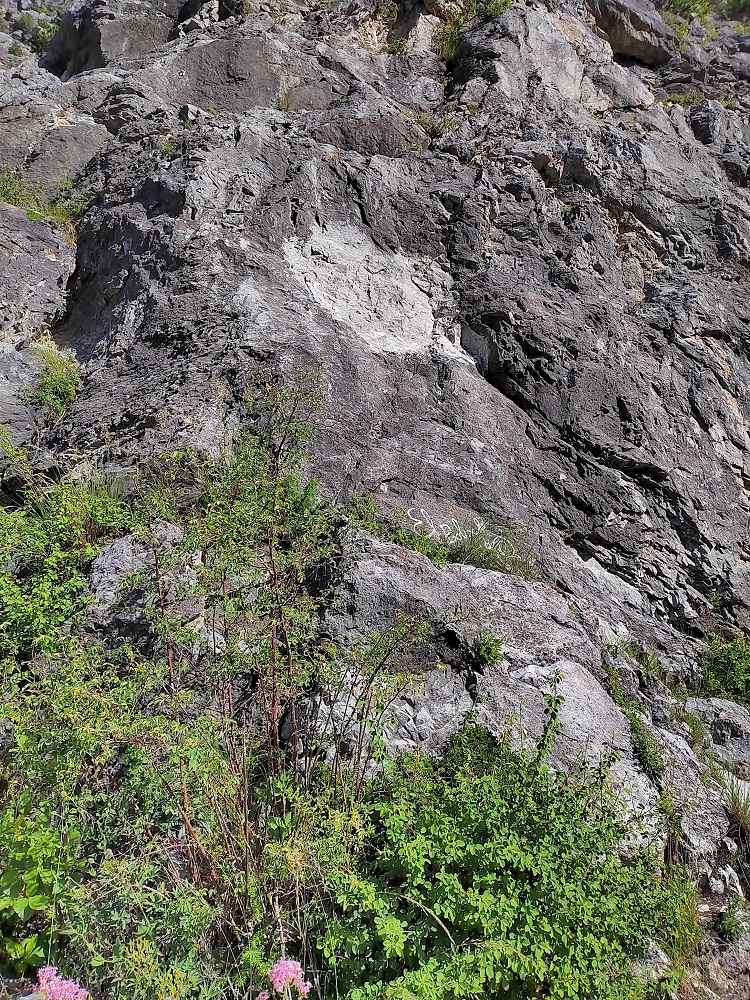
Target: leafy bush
(487,874)
(38,868)
(486,651)
(42,35)
(187,804)
(15,48)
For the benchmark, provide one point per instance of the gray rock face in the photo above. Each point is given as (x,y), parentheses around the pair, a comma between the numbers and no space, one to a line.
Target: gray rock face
(634,28)
(728,732)
(523,274)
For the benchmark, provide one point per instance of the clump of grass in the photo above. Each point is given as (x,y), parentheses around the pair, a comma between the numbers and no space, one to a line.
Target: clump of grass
(15,48)
(61,212)
(447,35)
(446,38)
(645,747)
(506,549)
(737,802)
(59,381)
(435,125)
(283,102)
(686,100)
(397,47)
(726,668)
(696,726)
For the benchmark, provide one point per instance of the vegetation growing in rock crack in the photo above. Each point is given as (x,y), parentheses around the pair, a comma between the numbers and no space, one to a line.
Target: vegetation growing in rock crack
(58,381)
(646,748)
(61,211)
(204,800)
(447,35)
(725,668)
(504,548)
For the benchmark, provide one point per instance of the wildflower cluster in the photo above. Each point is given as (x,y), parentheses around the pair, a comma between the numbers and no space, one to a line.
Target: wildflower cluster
(285,973)
(54,987)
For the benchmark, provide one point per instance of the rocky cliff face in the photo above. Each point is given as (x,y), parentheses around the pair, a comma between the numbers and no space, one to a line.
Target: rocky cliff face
(522,269)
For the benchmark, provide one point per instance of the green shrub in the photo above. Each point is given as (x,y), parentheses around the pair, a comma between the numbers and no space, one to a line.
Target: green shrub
(733,921)
(686,100)
(726,668)
(487,874)
(24,23)
(61,212)
(38,869)
(58,383)
(184,802)
(15,48)
(446,38)
(688,9)
(397,47)
(45,547)
(486,651)
(42,35)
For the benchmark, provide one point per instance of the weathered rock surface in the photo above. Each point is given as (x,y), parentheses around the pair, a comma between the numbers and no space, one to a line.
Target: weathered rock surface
(523,273)
(728,735)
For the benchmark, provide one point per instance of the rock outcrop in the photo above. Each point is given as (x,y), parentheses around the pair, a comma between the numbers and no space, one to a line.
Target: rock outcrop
(522,272)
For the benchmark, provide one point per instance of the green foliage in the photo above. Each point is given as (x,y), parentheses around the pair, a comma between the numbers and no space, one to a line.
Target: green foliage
(687,99)
(696,725)
(179,805)
(688,9)
(24,23)
(397,47)
(446,38)
(645,747)
(387,11)
(447,35)
(435,125)
(42,35)
(505,549)
(38,869)
(737,801)
(726,668)
(488,874)
(15,48)
(45,546)
(733,921)
(58,383)
(486,651)
(61,212)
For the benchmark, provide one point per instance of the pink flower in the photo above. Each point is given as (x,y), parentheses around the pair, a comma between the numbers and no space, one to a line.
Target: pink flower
(288,972)
(264,995)
(54,987)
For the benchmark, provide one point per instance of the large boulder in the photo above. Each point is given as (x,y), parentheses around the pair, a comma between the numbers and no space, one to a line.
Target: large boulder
(635,29)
